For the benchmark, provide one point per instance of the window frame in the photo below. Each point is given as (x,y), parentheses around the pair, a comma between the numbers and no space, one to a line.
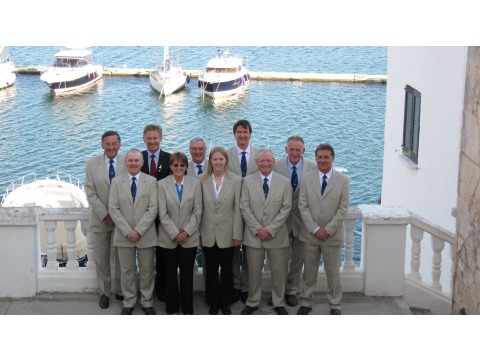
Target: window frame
(411,123)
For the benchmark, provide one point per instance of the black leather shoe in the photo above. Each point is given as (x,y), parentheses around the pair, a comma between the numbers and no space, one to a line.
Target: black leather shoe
(235,295)
(291,300)
(119,297)
(149,310)
(280,310)
(304,310)
(213,310)
(104,301)
(244,296)
(335,312)
(270,301)
(226,310)
(248,310)
(127,311)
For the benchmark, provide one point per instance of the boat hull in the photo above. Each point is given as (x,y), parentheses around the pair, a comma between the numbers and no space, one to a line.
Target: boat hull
(218,89)
(61,81)
(8,75)
(167,85)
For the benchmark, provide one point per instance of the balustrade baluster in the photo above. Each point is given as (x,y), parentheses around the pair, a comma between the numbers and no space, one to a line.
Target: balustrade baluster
(348,264)
(417,235)
(437,247)
(72,262)
(52,263)
(90,246)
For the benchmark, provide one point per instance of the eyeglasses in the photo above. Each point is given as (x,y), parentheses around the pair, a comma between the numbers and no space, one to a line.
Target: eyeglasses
(177,165)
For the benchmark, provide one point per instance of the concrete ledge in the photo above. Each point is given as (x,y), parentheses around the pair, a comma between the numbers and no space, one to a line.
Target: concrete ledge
(260,76)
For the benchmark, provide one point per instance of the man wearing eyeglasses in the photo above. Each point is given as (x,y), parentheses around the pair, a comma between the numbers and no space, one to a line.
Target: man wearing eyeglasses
(156,164)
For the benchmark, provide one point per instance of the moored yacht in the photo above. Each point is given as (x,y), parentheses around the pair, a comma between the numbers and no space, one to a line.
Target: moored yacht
(72,70)
(169,78)
(8,73)
(225,75)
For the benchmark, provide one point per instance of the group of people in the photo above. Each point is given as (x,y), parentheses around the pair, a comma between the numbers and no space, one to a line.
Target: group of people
(240,206)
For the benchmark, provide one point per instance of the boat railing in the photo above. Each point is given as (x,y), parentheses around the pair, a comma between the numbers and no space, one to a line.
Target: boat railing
(25,179)
(32,177)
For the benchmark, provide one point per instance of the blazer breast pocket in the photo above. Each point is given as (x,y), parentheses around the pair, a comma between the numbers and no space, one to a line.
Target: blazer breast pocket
(278,199)
(144,196)
(227,198)
(334,197)
(190,199)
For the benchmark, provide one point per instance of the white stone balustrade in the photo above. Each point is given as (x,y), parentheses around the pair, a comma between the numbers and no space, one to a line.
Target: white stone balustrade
(382,270)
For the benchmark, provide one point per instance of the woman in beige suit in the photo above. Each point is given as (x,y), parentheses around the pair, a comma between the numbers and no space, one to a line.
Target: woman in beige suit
(180,210)
(221,228)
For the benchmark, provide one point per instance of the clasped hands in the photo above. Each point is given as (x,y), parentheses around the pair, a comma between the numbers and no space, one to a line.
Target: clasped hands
(263,234)
(181,237)
(133,236)
(321,234)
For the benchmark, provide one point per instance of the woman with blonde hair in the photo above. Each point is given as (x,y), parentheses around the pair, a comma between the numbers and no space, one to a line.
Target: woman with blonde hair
(221,229)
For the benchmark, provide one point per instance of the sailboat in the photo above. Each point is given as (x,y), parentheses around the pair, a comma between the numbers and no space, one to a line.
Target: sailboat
(168,78)
(8,73)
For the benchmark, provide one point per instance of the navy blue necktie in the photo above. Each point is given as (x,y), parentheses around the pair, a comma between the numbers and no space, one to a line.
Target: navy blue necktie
(111,171)
(324,183)
(265,187)
(133,188)
(200,170)
(243,164)
(179,191)
(294,178)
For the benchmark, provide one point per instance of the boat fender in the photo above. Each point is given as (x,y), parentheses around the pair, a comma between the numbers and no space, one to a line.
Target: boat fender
(199,85)
(188,79)
(248,76)
(243,81)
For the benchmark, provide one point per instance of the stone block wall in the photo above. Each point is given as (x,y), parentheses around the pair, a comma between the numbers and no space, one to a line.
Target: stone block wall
(466,285)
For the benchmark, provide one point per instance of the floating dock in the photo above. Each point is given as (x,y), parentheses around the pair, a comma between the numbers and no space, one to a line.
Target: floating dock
(260,76)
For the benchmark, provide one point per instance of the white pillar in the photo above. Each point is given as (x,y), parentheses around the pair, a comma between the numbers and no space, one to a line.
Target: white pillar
(384,237)
(19,252)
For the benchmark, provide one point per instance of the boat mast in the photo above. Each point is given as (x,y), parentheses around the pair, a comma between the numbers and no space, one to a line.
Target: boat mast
(166,59)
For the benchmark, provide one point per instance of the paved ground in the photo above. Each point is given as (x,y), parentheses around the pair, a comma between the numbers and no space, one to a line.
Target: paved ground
(87,304)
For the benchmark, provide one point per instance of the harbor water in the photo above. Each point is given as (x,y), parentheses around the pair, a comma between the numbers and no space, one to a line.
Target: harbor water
(45,133)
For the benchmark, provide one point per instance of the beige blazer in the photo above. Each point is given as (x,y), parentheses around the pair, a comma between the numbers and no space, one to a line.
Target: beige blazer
(97,189)
(139,215)
(234,163)
(221,218)
(175,216)
(294,221)
(271,212)
(327,210)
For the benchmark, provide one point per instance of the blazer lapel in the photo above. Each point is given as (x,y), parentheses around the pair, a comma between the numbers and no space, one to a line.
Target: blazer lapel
(126,187)
(331,183)
(225,186)
(186,189)
(173,190)
(103,169)
(259,186)
(233,157)
(316,184)
(211,191)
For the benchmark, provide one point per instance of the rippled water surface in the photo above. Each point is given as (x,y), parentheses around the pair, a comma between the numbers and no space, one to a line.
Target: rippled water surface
(44,133)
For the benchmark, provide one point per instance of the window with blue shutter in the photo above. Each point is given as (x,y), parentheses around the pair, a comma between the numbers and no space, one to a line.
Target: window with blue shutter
(411,123)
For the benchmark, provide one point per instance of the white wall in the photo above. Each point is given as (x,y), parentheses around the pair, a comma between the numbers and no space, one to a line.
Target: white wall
(438,73)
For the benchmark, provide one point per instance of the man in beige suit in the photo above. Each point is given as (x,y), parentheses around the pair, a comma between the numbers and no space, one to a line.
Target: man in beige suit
(323,203)
(266,202)
(133,206)
(241,161)
(99,173)
(293,166)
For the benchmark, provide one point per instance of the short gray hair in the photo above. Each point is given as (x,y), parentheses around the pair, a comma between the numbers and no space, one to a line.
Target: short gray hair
(264,151)
(195,139)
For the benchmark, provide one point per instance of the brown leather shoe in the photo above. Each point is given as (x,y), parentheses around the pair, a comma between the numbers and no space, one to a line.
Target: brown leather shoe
(304,310)
(248,310)
(280,310)
(127,311)
(149,310)
(335,312)
(104,301)
(291,300)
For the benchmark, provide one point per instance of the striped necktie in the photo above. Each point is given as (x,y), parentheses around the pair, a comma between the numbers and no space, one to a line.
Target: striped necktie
(111,171)
(265,187)
(324,183)
(133,188)
(294,178)
(153,170)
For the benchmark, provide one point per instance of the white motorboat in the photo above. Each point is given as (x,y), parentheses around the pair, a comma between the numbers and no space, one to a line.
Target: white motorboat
(225,75)
(72,70)
(8,73)
(169,78)
(62,191)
